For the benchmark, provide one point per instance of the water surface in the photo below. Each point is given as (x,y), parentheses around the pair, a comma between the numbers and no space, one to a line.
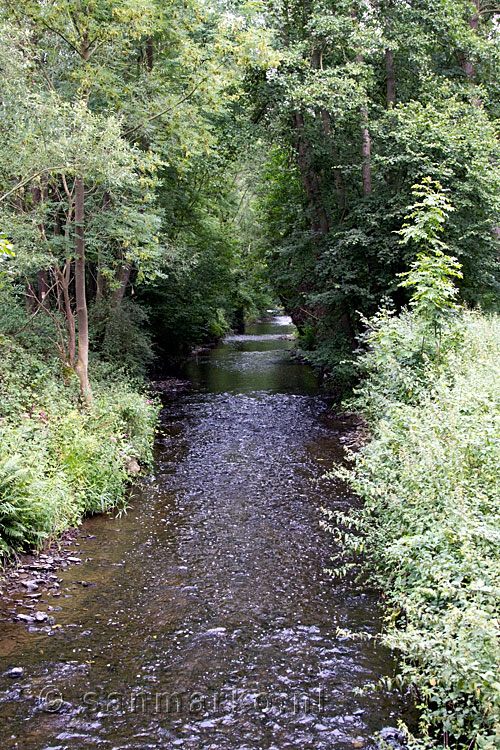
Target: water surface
(204,617)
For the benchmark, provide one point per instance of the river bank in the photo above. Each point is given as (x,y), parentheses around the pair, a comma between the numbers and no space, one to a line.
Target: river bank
(212,587)
(61,462)
(428,528)
(28,576)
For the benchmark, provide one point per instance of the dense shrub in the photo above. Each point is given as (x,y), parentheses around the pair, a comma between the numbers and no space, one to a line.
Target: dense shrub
(59,462)
(429,530)
(121,336)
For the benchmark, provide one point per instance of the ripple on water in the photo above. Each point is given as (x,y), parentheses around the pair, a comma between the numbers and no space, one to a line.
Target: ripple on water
(211,623)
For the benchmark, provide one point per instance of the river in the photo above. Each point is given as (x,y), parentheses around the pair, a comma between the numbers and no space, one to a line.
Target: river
(204,618)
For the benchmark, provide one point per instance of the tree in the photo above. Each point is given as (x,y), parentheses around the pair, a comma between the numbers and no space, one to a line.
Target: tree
(358,150)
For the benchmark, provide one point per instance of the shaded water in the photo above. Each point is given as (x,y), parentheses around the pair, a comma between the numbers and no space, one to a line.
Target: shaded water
(204,618)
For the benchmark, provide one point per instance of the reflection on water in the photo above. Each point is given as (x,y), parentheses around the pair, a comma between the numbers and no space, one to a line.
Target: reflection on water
(254,362)
(204,618)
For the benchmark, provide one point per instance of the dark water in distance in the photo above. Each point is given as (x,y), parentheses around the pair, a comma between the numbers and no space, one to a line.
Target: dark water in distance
(206,620)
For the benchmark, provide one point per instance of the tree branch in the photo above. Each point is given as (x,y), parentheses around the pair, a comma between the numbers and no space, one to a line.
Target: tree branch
(176,104)
(28,179)
(63,37)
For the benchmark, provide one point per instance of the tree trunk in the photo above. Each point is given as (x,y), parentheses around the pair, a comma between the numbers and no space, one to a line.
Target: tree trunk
(91,282)
(366,153)
(326,124)
(30,298)
(366,148)
(82,364)
(319,217)
(465,62)
(100,292)
(64,279)
(149,53)
(100,285)
(122,276)
(467,66)
(390,78)
(43,287)
(339,182)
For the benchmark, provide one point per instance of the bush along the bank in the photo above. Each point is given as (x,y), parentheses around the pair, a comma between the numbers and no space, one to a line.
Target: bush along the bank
(429,530)
(58,460)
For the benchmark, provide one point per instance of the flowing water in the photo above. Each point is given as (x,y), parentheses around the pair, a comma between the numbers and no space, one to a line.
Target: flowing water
(204,618)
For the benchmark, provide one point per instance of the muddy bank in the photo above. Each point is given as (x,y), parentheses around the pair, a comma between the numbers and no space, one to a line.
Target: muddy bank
(31,585)
(25,577)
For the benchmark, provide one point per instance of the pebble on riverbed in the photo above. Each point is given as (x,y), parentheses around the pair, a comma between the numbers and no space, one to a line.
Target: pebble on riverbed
(170,387)
(34,576)
(14,672)
(393,738)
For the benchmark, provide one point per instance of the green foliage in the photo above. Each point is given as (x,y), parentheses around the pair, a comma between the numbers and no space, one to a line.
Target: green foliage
(6,251)
(59,463)
(428,216)
(26,514)
(428,530)
(431,274)
(122,337)
(5,247)
(213,279)
(140,101)
(399,358)
(440,125)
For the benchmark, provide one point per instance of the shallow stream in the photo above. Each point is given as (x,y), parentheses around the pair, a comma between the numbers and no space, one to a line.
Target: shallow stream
(203,618)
